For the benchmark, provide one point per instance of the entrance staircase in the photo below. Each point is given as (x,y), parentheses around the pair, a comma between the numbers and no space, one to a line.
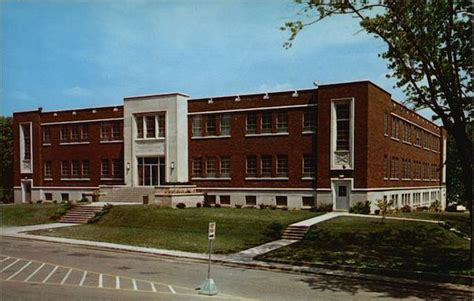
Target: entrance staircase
(80,214)
(295,232)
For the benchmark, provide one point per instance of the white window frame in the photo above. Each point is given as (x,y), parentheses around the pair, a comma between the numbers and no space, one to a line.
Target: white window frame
(335,166)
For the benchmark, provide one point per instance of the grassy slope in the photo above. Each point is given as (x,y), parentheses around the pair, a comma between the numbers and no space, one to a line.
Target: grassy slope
(26,214)
(365,242)
(460,221)
(185,229)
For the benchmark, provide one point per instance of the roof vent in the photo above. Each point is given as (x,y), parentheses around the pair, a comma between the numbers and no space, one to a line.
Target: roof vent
(266,96)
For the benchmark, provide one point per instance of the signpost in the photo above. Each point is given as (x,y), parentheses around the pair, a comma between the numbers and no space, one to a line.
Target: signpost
(209,287)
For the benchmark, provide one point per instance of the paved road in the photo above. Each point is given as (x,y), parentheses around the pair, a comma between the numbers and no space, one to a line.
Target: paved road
(33,270)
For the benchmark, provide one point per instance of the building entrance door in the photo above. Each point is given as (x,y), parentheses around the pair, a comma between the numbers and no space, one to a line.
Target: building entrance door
(342,195)
(26,191)
(151,171)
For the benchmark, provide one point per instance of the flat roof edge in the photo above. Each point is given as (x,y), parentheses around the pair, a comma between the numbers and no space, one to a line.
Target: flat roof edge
(154,95)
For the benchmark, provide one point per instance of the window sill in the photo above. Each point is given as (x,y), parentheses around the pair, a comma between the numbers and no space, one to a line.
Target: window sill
(406,179)
(111,179)
(74,143)
(75,179)
(386,135)
(308,178)
(267,134)
(395,139)
(46,144)
(212,179)
(394,179)
(308,132)
(415,145)
(111,141)
(385,179)
(425,148)
(47,179)
(210,137)
(406,142)
(267,178)
(416,179)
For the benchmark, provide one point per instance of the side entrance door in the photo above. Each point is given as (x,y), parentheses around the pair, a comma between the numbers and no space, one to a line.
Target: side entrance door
(342,195)
(26,191)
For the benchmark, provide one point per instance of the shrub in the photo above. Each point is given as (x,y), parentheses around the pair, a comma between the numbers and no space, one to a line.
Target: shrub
(284,208)
(273,230)
(199,205)
(422,208)
(83,200)
(238,206)
(181,205)
(361,208)
(55,202)
(272,207)
(406,209)
(39,201)
(322,208)
(217,205)
(435,206)
(206,205)
(262,206)
(65,206)
(384,206)
(98,215)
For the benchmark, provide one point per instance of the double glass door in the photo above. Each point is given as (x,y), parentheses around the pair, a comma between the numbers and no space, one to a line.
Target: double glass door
(151,171)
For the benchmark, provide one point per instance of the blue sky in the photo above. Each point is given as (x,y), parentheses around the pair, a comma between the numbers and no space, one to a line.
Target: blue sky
(72,54)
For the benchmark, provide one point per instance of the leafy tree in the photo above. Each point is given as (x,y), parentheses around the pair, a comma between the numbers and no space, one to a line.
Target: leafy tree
(384,206)
(6,155)
(428,52)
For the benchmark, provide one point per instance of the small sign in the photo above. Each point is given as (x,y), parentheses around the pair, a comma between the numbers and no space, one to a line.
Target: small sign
(212,230)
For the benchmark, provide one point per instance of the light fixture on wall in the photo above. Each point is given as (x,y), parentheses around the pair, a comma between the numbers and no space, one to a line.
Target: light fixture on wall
(266,96)
(128,165)
(172,165)
(295,94)
(237,98)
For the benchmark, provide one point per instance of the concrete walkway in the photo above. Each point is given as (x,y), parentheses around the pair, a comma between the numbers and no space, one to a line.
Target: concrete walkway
(249,254)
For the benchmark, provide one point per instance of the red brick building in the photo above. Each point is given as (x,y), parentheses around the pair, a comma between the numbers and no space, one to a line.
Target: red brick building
(336,143)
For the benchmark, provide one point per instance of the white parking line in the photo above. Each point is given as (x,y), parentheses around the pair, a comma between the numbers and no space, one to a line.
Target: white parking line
(153,287)
(4,259)
(117,282)
(83,278)
(34,273)
(171,289)
(65,277)
(134,285)
(101,281)
(50,274)
(19,271)
(8,266)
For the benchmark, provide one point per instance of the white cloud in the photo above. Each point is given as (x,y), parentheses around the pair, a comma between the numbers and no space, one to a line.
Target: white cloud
(77,92)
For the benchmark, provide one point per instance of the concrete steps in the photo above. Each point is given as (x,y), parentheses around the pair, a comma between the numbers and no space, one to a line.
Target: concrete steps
(295,232)
(79,214)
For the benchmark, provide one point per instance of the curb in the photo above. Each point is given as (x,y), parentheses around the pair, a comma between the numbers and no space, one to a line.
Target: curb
(262,265)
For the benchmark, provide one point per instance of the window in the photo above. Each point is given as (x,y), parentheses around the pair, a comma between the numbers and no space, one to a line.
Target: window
(74,168)
(282,122)
(251,166)
(417,136)
(266,125)
(225,125)
(64,169)
(266,166)
(27,142)
(251,126)
(117,169)
(342,191)
(281,201)
(74,134)
(211,167)
(85,133)
(309,166)
(197,167)
(282,166)
(426,171)
(394,127)
(250,200)
(394,168)
(139,124)
(48,173)
(104,132)
(48,196)
(385,123)
(104,168)
(116,131)
(309,121)
(225,167)
(64,196)
(85,168)
(161,126)
(150,127)
(385,167)
(46,135)
(308,201)
(197,126)
(342,126)
(211,125)
(224,199)
(210,199)
(63,134)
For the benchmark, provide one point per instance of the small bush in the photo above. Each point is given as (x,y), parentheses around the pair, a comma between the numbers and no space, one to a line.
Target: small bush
(83,200)
(361,208)
(65,206)
(55,201)
(217,205)
(322,208)
(262,206)
(39,201)
(198,205)
(98,215)
(406,209)
(181,205)
(422,208)
(284,208)
(274,231)
(435,206)
(238,206)
(272,207)
(206,205)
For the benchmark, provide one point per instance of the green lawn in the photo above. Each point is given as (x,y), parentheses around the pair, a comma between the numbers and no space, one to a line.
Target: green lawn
(367,243)
(458,220)
(183,229)
(27,214)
